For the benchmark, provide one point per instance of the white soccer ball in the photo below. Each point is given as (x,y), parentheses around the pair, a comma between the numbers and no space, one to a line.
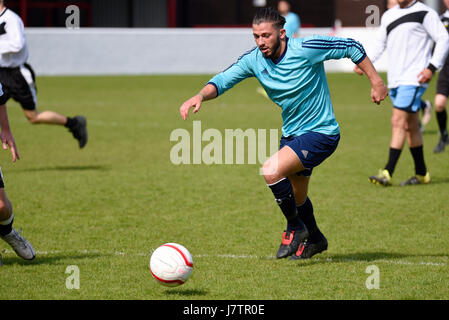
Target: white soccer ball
(171,264)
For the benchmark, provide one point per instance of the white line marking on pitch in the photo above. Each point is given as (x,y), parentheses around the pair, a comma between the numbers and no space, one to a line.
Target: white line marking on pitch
(233,256)
(240,256)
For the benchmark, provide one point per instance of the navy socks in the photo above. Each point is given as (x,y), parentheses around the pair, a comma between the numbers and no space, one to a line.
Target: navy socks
(6,226)
(285,198)
(305,213)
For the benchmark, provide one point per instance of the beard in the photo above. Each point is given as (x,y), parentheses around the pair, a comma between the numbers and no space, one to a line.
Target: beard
(272,52)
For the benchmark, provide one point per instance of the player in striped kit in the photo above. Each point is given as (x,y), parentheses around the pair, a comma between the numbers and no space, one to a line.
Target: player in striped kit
(18,80)
(407,31)
(292,73)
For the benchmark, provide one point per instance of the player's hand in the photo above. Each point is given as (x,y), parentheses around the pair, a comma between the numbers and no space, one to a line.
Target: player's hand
(425,76)
(194,102)
(379,92)
(2,28)
(358,70)
(8,141)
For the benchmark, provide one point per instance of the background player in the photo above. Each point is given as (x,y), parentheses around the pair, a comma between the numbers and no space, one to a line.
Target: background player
(426,105)
(292,21)
(442,93)
(20,245)
(18,80)
(292,73)
(407,31)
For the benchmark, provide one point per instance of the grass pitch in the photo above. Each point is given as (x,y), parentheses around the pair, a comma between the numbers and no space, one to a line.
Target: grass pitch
(106,207)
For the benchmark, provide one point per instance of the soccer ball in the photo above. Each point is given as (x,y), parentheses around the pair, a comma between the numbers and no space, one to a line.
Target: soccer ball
(171,264)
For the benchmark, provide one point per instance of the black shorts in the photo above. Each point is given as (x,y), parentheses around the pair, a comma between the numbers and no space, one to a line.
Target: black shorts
(443,79)
(19,83)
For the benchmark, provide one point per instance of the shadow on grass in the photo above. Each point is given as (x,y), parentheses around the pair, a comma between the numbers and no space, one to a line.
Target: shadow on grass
(68,168)
(186,292)
(368,257)
(47,259)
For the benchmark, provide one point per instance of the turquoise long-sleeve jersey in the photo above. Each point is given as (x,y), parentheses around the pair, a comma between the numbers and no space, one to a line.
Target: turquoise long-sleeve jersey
(296,82)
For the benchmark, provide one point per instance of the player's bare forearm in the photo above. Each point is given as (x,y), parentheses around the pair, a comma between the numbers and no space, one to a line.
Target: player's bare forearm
(207,93)
(368,68)
(378,89)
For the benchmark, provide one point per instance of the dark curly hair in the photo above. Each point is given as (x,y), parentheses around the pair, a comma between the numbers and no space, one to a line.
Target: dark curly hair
(269,15)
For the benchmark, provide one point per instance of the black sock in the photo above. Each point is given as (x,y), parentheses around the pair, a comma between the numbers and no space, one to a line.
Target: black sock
(6,229)
(418,158)
(423,106)
(70,122)
(285,198)
(305,213)
(392,160)
(442,123)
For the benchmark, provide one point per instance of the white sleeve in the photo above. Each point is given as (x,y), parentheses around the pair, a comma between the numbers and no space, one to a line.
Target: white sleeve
(14,39)
(375,50)
(435,28)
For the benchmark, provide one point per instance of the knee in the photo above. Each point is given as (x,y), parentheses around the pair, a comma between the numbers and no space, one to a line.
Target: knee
(5,210)
(398,122)
(412,126)
(440,107)
(32,117)
(440,102)
(270,172)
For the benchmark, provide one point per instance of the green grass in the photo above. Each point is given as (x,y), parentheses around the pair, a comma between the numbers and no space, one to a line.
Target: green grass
(106,207)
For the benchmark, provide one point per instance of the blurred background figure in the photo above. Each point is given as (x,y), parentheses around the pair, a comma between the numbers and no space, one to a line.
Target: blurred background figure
(391,3)
(292,21)
(18,78)
(426,105)
(442,93)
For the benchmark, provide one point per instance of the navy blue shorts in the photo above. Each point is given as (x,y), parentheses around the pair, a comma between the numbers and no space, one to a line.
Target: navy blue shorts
(312,148)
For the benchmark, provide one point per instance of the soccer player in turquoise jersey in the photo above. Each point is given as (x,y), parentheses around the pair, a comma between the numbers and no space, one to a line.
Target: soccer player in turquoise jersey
(292,73)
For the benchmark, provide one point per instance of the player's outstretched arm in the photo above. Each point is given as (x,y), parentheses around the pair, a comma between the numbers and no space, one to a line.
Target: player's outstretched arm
(6,135)
(207,93)
(378,89)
